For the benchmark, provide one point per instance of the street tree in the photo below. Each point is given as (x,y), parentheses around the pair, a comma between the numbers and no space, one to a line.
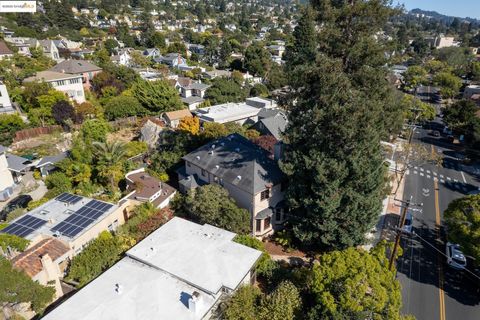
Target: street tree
(415,76)
(449,84)
(355,284)
(460,115)
(462,219)
(332,141)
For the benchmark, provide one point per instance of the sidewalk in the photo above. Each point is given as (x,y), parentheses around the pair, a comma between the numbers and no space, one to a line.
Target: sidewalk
(389,216)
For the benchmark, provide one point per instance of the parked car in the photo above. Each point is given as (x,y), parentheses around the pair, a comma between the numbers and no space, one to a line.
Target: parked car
(407,227)
(21,201)
(455,257)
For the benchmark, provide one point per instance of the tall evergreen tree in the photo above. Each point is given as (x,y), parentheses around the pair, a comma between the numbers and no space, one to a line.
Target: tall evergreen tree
(304,47)
(342,109)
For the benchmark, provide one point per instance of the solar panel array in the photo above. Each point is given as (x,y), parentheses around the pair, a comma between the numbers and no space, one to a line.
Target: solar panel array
(24,226)
(82,218)
(68,198)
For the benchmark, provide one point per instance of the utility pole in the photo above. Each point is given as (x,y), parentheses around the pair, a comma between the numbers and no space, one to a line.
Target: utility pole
(405,207)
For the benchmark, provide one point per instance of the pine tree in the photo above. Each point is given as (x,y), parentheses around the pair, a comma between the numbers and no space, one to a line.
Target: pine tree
(342,109)
(304,47)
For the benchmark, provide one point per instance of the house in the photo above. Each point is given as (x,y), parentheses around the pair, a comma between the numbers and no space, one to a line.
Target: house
(18,166)
(276,50)
(123,58)
(172,118)
(247,172)
(46,165)
(470,91)
(70,84)
(145,188)
(271,122)
(23,44)
(6,178)
(172,60)
(191,92)
(181,271)
(83,68)
(152,53)
(5,102)
(50,50)
(444,42)
(5,52)
(217,74)
(46,262)
(244,112)
(72,219)
(196,48)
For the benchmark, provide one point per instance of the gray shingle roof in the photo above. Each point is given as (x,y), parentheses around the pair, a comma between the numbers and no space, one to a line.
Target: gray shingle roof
(237,161)
(275,125)
(16,163)
(52,159)
(75,66)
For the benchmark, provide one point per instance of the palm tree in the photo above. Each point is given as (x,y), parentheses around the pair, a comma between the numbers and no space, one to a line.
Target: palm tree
(109,157)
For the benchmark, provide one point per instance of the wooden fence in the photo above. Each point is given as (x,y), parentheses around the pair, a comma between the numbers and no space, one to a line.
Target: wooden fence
(35,132)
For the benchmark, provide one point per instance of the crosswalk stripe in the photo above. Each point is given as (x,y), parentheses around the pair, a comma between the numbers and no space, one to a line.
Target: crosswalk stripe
(415,168)
(435,174)
(442,181)
(448,178)
(455,180)
(428,176)
(421,169)
(421,173)
(441,176)
(428,171)
(415,171)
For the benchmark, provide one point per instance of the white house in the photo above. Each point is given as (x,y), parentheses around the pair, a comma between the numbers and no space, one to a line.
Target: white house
(6,179)
(235,112)
(70,84)
(123,58)
(180,271)
(5,102)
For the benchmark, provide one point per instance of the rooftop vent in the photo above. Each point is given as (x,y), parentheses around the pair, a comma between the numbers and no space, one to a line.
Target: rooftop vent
(118,288)
(197,157)
(210,152)
(239,177)
(213,146)
(217,166)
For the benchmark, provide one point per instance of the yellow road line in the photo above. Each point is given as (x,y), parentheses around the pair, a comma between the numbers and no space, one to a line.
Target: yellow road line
(441,293)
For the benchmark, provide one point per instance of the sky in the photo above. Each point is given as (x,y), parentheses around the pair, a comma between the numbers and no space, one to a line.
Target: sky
(457,8)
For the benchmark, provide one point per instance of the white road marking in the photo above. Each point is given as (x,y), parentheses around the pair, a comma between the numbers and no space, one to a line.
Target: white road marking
(428,171)
(407,172)
(421,174)
(448,178)
(415,168)
(415,172)
(463,176)
(435,174)
(421,169)
(455,180)
(428,176)
(441,176)
(442,181)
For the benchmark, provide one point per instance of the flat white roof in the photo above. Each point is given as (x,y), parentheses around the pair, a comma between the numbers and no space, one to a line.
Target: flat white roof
(202,255)
(144,293)
(159,275)
(227,112)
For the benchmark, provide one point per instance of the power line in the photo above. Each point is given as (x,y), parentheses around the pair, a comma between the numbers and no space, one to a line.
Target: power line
(442,253)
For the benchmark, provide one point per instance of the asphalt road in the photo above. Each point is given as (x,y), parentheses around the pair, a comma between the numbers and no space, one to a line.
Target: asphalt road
(430,288)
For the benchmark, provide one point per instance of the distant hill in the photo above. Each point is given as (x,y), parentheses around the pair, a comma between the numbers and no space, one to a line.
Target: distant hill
(438,16)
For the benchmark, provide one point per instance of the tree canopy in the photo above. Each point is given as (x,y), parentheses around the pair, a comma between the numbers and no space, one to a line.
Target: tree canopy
(355,284)
(462,218)
(157,96)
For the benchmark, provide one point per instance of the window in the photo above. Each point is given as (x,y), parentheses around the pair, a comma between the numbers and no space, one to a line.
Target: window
(60,82)
(265,194)
(203,172)
(258,226)
(267,223)
(278,215)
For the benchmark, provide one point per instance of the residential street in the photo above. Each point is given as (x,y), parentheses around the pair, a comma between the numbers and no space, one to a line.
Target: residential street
(430,288)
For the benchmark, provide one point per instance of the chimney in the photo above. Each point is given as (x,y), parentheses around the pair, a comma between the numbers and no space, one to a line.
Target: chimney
(194,301)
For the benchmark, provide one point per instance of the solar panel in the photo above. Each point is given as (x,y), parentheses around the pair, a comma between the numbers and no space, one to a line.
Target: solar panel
(82,218)
(68,198)
(24,226)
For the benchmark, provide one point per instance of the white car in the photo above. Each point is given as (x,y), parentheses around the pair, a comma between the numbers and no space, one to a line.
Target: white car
(455,258)
(407,227)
